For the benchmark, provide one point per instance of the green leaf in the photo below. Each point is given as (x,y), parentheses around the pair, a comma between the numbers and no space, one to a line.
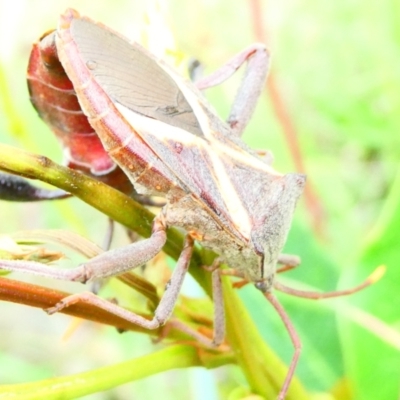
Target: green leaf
(372,349)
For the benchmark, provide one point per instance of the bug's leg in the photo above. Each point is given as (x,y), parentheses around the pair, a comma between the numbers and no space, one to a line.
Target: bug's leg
(15,188)
(219,317)
(164,308)
(229,272)
(97,284)
(109,234)
(219,310)
(107,264)
(252,84)
(218,299)
(289,262)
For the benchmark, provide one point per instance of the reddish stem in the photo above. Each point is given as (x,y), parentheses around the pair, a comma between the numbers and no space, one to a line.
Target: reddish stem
(42,297)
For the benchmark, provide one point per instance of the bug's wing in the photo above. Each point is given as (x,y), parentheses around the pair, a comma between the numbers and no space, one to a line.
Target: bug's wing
(151,101)
(129,73)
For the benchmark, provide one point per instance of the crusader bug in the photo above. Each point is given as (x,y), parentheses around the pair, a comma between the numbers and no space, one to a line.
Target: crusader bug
(159,129)
(52,95)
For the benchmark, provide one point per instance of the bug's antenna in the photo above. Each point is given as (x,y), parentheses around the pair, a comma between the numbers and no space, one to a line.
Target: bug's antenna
(375,276)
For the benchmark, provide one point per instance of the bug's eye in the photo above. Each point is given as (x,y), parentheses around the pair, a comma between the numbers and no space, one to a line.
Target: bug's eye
(265,285)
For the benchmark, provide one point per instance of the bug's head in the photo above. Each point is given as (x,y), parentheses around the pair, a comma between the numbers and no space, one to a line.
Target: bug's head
(270,231)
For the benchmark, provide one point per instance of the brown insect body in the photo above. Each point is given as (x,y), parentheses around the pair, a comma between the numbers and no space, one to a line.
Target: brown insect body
(169,141)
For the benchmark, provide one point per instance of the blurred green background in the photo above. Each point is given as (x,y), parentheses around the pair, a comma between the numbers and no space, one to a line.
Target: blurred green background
(336,68)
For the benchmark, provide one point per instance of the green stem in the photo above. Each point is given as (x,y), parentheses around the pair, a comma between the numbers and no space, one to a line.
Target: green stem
(74,386)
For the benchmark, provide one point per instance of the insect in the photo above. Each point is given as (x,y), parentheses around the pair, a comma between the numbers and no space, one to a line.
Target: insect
(52,95)
(14,188)
(169,141)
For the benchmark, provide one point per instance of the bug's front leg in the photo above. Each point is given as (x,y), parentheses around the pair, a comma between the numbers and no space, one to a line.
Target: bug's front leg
(107,264)
(257,58)
(164,308)
(219,316)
